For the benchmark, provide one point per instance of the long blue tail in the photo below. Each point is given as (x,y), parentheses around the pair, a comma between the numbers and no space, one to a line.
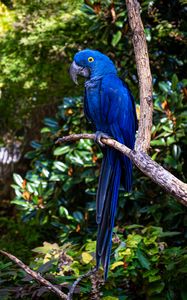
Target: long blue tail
(107,197)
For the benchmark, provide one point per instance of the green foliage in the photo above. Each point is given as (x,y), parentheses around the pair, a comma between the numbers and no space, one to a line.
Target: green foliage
(55,196)
(62,175)
(143,265)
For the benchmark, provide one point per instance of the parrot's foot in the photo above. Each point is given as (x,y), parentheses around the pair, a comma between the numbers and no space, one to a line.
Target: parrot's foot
(98,136)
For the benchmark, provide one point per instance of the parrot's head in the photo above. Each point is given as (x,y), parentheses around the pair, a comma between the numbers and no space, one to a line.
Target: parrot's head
(91,64)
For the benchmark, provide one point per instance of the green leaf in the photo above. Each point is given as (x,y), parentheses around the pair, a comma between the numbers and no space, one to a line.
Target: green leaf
(47,247)
(45,172)
(56,177)
(119,24)
(61,150)
(51,123)
(169,233)
(133,226)
(148,34)
(35,199)
(90,246)
(133,240)
(167,129)
(156,288)
(142,259)
(170,140)
(87,9)
(176,151)
(116,264)
(18,179)
(154,278)
(5,265)
(159,142)
(30,187)
(86,257)
(116,38)
(45,129)
(164,86)
(78,216)
(76,159)
(20,202)
(36,145)
(175,80)
(60,166)
(63,211)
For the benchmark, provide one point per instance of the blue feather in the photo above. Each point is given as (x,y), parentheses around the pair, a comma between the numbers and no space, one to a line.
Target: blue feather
(110,107)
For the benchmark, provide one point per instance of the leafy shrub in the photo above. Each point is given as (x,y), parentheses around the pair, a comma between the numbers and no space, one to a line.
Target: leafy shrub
(59,192)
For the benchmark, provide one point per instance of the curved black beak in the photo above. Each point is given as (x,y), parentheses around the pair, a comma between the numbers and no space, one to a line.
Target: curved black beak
(76,70)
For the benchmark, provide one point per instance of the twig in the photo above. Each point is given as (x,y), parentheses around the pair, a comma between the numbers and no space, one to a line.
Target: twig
(89,273)
(149,167)
(35,275)
(144,74)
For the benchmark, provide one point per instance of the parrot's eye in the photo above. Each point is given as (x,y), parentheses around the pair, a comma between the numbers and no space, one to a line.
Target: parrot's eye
(90,59)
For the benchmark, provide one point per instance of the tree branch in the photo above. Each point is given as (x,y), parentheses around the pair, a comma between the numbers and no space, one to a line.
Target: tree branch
(35,275)
(89,273)
(149,167)
(45,282)
(144,75)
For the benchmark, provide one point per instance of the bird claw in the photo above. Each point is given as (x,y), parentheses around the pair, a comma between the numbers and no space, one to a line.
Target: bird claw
(98,136)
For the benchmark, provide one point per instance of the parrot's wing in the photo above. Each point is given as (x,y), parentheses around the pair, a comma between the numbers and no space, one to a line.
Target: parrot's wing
(118,110)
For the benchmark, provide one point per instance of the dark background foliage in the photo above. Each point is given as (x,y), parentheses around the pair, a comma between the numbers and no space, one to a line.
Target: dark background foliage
(48,218)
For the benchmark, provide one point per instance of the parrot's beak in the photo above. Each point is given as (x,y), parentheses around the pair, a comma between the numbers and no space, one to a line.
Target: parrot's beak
(76,70)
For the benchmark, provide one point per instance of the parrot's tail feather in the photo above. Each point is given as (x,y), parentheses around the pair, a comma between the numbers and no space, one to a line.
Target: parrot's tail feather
(126,174)
(104,179)
(107,197)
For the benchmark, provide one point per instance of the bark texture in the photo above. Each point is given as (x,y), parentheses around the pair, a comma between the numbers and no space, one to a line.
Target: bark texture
(161,176)
(144,75)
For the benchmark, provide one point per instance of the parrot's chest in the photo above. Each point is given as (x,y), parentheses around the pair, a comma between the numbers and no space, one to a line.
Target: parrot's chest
(93,99)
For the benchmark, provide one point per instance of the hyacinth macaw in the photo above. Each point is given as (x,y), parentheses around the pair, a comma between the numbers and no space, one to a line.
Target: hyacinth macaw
(110,107)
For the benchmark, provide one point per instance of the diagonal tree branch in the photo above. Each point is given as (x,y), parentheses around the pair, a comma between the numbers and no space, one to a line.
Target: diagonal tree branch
(144,75)
(35,275)
(149,167)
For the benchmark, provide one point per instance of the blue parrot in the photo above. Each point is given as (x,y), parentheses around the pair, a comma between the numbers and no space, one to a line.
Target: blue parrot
(110,107)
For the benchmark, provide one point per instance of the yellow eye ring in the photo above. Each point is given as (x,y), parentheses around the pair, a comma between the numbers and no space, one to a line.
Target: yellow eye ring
(90,59)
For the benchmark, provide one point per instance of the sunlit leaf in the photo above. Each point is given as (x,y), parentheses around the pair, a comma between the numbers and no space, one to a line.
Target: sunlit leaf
(45,129)
(61,150)
(116,264)
(60,166)
(18,179)
(86,257)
